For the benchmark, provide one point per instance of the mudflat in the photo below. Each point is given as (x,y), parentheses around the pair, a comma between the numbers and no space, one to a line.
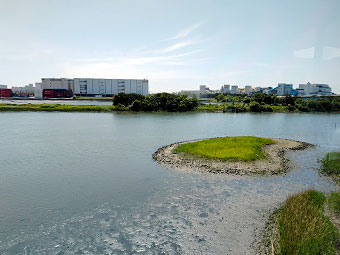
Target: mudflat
(275,162)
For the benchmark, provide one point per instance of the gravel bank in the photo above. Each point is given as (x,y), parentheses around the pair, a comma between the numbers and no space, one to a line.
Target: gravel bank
(274,164)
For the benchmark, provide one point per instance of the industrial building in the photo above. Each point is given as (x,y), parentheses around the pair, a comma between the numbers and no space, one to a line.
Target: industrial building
(26,91)
(5,92)
(314,89)
(284,89)
(57,83)
(109,87)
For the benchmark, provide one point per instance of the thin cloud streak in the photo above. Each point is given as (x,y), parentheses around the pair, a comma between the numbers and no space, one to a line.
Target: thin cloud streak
(185,32)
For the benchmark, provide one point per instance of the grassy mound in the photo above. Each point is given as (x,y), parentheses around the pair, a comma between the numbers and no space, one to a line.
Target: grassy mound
(303,227)
(245,148)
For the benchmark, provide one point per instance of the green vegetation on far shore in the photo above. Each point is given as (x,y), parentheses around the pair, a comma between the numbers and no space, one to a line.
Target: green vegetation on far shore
(245,148)
(210,108)
(259,102)
(59,108)
(165,102)
(157,102)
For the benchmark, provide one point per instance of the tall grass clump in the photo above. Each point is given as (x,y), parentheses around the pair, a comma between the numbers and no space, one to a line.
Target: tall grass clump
(334,202)
(245,148)
(331,163)
(303,227)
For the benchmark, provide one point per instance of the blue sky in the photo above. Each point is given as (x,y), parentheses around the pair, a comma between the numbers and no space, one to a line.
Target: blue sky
(176,44)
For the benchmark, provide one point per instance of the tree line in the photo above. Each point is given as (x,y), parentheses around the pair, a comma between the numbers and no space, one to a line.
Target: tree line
(156,102)
(267,103)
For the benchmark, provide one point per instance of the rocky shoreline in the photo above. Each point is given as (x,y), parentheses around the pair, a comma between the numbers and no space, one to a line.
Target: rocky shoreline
(275,163)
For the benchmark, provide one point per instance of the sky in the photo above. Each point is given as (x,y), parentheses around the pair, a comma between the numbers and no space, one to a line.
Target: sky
(176,45)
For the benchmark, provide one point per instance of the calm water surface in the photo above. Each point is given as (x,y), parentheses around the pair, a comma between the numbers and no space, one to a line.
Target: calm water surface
(85,183)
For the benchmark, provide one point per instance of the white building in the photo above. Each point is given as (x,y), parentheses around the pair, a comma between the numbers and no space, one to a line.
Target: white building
(3,86)
(284,89)
(57,83)
(191,93)
(225,88)
(248,90)
(38,90)
(109,87)
(323,89)
(314,89)
(27,90)
(234,89)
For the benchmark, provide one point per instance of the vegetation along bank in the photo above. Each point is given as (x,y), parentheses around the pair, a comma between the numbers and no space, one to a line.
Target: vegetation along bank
(308,222)
(166,102)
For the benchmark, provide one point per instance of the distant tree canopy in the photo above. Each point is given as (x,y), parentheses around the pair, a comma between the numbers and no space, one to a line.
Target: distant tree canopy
(259,102)
(156,102)
(126,99)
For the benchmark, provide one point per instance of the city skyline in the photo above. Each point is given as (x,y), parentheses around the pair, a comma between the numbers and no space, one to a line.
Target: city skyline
(174,45)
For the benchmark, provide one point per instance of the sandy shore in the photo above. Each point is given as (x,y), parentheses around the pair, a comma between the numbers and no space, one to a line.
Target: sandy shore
(274,164)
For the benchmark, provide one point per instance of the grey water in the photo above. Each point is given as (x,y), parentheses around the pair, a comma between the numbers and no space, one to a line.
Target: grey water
(86,183)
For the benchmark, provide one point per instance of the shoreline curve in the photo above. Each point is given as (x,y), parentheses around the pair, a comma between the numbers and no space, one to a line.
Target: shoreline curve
(276,162)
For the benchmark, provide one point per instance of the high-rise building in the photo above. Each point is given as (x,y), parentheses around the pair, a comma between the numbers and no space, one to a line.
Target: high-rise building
(234,89)
(248,89)
(225,88)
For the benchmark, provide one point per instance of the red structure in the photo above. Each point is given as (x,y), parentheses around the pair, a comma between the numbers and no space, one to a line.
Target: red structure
(6,93)
(57,93)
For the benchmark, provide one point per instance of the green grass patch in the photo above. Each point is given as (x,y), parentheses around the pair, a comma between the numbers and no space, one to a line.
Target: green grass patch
(331,163)
(59,108)
(210,108)
(280,108)
(245,148)
(334,202)
(303,227)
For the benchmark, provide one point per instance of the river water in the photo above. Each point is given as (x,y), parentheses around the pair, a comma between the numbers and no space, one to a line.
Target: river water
(86,183)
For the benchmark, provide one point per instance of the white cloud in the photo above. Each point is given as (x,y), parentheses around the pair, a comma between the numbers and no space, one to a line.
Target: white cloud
(186,31)
(177,46)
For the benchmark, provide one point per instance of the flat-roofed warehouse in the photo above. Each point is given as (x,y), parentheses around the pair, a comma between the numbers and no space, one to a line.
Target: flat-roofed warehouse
(109,87)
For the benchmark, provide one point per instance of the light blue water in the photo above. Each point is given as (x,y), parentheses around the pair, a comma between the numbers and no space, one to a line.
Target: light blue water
(86,183)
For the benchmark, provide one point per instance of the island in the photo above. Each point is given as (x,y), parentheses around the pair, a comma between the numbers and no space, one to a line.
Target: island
(230,155)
